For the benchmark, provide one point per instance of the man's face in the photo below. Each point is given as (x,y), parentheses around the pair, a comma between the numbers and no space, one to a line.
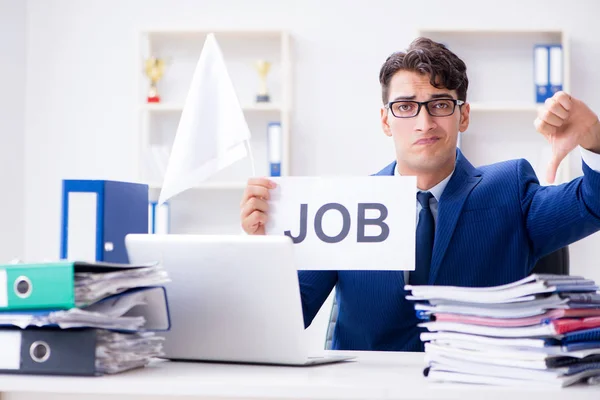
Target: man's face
(423,143)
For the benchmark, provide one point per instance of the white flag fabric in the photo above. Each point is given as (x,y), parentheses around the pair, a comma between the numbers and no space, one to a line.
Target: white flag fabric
(212,129)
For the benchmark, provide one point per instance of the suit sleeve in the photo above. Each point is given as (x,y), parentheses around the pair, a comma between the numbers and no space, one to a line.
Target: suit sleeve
(315,287)
(556,216)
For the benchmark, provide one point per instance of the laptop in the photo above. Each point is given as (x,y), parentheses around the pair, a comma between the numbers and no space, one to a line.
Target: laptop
(232,298)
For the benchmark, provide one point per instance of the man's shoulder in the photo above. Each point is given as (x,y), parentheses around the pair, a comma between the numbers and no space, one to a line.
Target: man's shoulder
(388,170)
(507,168)
(502,167)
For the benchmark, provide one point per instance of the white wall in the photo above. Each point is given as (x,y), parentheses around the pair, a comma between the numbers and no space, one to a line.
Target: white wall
(82,81)
(12,121)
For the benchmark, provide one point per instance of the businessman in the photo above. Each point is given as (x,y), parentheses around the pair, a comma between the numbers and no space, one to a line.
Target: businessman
(476,226)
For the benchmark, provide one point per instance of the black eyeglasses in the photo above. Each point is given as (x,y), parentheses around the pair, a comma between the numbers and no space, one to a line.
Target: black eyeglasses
(435,108)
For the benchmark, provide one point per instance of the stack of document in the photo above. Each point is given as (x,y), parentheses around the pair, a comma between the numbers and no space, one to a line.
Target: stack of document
(544,329)
(94,282)
(110,310)
(118,352)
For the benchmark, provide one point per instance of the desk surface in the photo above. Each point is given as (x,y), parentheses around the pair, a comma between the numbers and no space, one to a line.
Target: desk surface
(373,375)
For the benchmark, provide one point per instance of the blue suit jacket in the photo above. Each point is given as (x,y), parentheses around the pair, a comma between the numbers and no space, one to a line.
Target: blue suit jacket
(494,223)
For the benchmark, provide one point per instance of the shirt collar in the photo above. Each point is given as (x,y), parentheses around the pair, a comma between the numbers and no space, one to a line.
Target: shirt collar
(438,189)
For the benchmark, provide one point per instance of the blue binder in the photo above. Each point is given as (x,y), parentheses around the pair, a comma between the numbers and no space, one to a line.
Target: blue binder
(96,217)
(159,218)
(556,68)
(155,311)
(548,71)
(274,143)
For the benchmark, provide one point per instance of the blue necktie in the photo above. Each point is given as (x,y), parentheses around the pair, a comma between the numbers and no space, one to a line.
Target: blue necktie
(425,237)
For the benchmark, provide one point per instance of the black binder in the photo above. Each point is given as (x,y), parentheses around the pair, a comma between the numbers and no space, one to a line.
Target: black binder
(49,351)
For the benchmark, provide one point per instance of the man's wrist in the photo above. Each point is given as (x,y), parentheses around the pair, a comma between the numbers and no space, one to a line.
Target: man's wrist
(592,141)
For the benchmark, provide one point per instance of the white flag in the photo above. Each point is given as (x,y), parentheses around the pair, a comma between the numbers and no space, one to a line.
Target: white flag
(212,129)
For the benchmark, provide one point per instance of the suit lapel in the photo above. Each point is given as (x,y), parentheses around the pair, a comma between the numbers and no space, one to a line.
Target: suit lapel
(464,179)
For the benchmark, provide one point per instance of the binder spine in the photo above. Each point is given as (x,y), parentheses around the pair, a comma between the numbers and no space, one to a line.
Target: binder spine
(40,287)
(556,68)
(159,217)
(541,73)
(50,352)
(274,140)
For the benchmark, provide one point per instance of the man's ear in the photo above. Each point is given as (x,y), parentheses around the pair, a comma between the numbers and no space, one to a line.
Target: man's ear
(465,115)
(384,122)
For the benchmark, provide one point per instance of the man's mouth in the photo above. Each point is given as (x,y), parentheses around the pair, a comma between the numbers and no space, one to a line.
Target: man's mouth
(427,141)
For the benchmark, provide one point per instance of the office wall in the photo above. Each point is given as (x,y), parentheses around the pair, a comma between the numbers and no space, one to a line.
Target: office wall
(12,124)
(80,97)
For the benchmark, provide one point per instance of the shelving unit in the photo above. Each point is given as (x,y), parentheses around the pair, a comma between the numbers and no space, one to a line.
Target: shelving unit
(500,67)
(181,48)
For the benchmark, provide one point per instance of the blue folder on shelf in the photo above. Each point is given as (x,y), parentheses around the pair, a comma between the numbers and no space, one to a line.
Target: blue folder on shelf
(548,71)
(275,144)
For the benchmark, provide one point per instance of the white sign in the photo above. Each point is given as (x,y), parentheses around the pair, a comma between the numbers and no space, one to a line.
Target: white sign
(365,223)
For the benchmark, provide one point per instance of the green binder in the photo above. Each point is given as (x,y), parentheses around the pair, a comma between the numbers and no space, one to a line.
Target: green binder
(37,286)
(47,286)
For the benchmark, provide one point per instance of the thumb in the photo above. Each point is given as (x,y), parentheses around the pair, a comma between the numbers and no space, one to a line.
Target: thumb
(553,167)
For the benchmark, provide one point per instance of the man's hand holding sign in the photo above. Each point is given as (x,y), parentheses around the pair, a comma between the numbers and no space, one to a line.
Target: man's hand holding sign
(337,223)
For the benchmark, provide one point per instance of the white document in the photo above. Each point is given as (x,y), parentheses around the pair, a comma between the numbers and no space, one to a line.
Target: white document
(363,223)
(519,291)
(484,340)
(534,331)
(450,364)
(491,358)
(516,352)
(443,374)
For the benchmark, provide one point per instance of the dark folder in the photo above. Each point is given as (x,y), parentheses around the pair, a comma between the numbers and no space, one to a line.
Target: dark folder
(48,351)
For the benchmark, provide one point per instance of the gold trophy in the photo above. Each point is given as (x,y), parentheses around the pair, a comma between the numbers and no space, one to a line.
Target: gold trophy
(263,67)
(155,68)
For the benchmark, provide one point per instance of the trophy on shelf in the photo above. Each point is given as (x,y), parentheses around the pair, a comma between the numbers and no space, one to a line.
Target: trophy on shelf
(154,68)
(263,67)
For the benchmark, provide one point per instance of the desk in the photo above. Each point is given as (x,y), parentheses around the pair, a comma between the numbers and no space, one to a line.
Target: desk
(374,375)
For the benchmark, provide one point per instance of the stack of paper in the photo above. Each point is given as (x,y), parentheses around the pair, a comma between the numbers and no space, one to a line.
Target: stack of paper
(544,329)
(141,309)
(117,352)
(92,286)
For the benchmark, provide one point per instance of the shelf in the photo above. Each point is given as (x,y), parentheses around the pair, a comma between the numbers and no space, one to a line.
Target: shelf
(175,107)
(210,186)
(505,107)
(501,94)
(220,33)
(459,31)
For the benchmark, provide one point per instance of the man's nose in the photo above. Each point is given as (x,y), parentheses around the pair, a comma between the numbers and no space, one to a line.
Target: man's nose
(424,121)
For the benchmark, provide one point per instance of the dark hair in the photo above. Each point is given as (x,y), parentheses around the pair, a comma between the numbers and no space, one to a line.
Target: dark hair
(425,56)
